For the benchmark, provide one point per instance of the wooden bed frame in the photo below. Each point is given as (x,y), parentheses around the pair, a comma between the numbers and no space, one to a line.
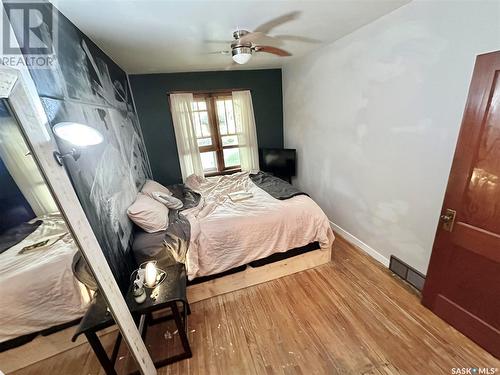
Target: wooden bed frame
(257,275)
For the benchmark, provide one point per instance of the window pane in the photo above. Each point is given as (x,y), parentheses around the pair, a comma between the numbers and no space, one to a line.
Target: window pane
(208,161)
(194,105)
(205,128)
(231,157)
(231,127)
(202,106)
(221,114)
(204,142)
(229,140)
(197,127)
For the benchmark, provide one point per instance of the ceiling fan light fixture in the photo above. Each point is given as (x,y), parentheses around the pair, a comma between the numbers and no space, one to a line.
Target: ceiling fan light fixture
(242,55)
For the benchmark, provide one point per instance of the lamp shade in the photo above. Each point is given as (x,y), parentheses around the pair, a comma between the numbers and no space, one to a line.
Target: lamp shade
(78,134)
(242,55)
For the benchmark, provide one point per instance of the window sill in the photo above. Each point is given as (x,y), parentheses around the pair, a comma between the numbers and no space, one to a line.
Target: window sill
(222,173)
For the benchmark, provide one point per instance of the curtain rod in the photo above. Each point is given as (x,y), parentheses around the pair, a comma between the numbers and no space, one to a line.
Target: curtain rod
(215,91)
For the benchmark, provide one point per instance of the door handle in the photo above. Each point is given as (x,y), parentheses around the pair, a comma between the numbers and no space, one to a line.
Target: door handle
(448,219)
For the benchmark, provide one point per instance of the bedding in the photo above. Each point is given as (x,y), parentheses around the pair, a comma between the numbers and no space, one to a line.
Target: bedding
(211,233)
(275,187)
(38,289)
(173,242)
(151,187)
(15,235)
(168,200)
(148,213)
(227,234)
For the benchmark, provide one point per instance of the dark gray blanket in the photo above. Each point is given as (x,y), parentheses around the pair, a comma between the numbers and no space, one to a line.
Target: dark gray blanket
(275,186)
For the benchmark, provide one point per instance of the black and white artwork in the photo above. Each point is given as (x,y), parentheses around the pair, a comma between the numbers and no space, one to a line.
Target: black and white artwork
(84,85)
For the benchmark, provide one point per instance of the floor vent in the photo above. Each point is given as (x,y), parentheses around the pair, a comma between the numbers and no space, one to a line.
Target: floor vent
(407,273)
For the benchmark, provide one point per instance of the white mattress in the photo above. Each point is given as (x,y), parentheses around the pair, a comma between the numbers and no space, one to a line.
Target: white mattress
(226,234)
(38,289)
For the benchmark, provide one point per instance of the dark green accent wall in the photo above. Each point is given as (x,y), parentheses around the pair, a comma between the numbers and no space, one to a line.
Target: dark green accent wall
(150,94)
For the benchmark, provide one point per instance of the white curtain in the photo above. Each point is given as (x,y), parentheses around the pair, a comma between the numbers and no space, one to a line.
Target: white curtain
(185,136)
(23,169)
(245,128)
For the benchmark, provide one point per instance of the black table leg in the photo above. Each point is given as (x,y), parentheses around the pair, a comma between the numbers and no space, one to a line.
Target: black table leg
(182,328)
(116,348)
(100,353)
(142,326)
(185,311)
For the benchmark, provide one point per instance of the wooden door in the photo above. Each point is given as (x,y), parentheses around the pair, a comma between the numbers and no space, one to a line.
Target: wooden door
(463,279)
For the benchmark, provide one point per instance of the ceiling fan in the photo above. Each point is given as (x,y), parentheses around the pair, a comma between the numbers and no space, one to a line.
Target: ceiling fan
(246,43)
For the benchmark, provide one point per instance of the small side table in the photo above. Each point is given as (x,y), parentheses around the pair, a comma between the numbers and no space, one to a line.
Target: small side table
(171,292)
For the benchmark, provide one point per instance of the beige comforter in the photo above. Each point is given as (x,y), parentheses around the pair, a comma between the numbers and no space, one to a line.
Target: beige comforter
(227,234)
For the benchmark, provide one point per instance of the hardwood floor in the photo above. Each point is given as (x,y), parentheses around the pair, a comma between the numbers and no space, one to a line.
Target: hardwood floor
(350,316)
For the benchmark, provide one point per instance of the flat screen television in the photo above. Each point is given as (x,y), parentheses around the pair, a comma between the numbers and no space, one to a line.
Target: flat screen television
(278,161)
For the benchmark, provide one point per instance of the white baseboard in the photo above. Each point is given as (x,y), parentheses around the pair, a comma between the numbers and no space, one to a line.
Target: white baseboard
(357,242)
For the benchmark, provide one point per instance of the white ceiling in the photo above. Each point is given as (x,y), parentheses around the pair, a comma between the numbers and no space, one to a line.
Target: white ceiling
(145,36)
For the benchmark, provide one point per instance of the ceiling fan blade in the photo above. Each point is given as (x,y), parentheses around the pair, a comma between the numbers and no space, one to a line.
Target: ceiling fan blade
(269,25)
(273,50)
(217,41)
(260,38)
(253,37)
(298,38)
(219,53)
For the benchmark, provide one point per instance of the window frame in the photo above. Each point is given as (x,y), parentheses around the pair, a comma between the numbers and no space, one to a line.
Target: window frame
(216,146)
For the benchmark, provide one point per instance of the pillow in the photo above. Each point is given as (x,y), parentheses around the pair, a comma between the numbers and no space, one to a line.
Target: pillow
(150,215)
(151,186)
(170,201)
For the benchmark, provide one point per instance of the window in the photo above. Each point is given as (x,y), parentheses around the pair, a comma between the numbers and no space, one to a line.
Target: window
(215,129)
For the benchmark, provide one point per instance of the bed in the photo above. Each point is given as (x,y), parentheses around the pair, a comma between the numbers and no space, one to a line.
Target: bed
(227,234)
(39,290)
(224,234)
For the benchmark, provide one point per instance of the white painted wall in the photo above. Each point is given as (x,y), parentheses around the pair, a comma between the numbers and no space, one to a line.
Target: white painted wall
(375,118)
